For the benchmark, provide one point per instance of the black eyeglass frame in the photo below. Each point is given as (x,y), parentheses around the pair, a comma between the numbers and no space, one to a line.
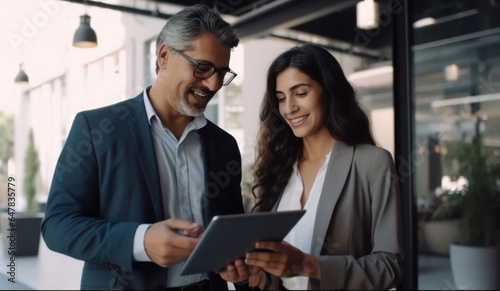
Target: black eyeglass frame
(225,80)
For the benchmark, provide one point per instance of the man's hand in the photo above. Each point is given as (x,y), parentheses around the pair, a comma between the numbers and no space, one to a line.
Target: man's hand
(171,241)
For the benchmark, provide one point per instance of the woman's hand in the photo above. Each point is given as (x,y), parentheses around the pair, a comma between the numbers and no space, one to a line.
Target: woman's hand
(257,278)
(238,272)
(283,260)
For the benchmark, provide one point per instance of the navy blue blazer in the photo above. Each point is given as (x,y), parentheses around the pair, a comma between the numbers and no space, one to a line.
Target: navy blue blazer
(106,184)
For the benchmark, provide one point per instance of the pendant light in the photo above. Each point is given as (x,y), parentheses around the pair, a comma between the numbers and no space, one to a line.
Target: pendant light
(85,36)
(21,77)
(367,14)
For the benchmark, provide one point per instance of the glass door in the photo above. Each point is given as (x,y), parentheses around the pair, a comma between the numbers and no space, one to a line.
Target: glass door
(456,91)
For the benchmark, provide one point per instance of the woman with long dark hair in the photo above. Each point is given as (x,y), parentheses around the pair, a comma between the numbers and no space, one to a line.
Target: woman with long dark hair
(316,152)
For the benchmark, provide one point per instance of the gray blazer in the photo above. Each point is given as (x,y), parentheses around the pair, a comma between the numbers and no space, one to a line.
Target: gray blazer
(357,235)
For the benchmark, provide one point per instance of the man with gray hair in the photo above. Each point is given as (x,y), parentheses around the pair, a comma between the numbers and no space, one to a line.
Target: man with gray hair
(137,182)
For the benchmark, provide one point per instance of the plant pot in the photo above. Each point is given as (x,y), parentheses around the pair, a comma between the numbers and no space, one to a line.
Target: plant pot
(475,268)
(439,234)
(22,238)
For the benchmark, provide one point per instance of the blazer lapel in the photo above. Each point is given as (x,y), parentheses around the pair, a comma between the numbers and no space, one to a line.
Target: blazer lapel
(141,135)
(338,169)
(209,151)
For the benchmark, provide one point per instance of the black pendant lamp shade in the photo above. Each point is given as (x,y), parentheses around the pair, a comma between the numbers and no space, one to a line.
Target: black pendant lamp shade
(21,76)
(85,36)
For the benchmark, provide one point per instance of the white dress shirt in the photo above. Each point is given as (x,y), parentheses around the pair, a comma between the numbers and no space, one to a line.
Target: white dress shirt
(181,168)
(301,234)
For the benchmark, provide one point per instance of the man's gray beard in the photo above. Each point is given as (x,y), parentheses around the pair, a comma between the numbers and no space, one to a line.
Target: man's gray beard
(187,110)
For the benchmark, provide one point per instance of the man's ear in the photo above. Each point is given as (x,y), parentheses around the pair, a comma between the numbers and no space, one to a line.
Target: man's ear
(162,56)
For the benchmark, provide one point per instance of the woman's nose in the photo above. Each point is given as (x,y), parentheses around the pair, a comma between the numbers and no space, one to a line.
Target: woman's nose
(290,106)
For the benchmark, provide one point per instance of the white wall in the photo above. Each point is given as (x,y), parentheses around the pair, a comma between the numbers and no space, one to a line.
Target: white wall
(383,128)
(139,29)
(259,53)
(40,33)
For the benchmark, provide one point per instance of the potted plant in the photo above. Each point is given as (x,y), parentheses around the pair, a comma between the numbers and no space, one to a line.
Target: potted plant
(475,254)
(6,153)
(442,228)
(24,226)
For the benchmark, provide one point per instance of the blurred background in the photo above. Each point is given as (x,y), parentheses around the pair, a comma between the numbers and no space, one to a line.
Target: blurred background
(427,73)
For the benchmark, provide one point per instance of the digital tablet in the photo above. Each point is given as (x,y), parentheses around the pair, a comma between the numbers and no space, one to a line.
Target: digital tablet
(229,237)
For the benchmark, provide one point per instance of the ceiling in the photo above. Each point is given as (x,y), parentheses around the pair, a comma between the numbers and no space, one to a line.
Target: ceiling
(332,22)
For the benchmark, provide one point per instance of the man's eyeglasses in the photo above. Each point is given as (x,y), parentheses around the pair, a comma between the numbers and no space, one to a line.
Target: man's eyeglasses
(205,71)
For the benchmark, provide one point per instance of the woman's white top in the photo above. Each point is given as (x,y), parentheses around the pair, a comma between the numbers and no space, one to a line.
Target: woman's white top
(301,234)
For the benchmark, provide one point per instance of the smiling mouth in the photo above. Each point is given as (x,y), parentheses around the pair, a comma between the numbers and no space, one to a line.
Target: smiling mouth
(200,94)
(298,119)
